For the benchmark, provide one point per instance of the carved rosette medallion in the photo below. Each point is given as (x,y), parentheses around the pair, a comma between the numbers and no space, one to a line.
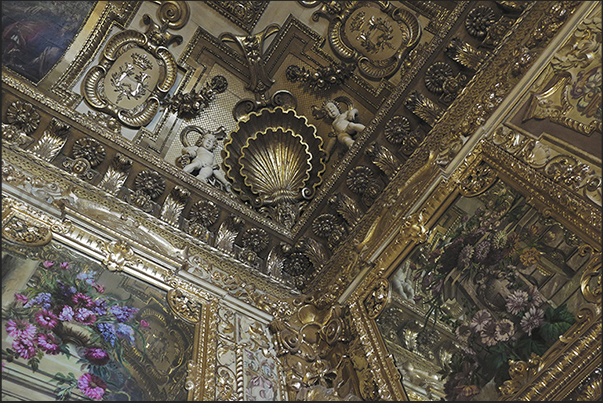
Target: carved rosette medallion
(377,36)
(134,73)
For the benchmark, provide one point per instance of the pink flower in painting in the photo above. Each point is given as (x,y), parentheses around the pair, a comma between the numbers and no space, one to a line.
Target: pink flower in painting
(92,386)
(20,298)
(533,319)
(48,343)
(517,302)
(85,316)
(19,329)
(480,320)
(66,314)
(506,329)
(65,266)
(144,323)
(24,348)
(82,300)
(99,288)
(96,356)
(48,264)
(46,319)
(488,334)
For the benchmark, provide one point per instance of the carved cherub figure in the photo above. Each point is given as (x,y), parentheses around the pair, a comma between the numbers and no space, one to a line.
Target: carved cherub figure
(344,123)
(203,157)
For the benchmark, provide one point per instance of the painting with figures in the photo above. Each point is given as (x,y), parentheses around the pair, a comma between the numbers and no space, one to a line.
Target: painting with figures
(36,34)
(76,330)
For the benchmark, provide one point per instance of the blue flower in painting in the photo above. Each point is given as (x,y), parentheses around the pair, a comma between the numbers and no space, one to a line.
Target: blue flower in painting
(87,277)
(107,331)
(99,307)
(123,313)
(125,332)
(42,299)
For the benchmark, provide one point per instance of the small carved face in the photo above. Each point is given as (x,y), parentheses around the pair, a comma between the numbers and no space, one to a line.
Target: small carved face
(208,141)
(332,110)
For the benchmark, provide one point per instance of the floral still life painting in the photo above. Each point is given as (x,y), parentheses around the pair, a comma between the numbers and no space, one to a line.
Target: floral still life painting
(67,308)
(498,274)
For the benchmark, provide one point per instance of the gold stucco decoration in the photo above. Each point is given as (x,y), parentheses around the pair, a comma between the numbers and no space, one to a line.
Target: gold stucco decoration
(134,73)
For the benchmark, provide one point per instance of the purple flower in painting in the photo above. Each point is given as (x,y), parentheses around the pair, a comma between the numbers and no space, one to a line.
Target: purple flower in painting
(24,348)
(437,288)
(481,251)
(480,320)
(87,277)
(65,266)
(42,299)
(125,332)
(476,235)
(99,288)
(85,316)
(97,356)
(66,314)
(488,334)
(144,323)
(20,298)
(46,319)
(92,386)
(462,334)
(19,329)
(82,300)
(48,343)
(99,306)
(533,319)
(48,264)
(506,329)
(123,313)
(517,302)
(534,297)
(107,331)
(465,256)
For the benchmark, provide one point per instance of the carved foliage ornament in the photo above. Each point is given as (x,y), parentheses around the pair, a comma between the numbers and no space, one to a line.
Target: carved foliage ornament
(376,36)
(322,78)
(135,71)
(184,306)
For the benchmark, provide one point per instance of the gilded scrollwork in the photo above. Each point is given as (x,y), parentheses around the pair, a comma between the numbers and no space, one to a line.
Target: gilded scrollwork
(243,13)
(134,73)
(568,90)
(20,231)
(478,180)
(377,298)
(184,305)
(376,36)
(174,13)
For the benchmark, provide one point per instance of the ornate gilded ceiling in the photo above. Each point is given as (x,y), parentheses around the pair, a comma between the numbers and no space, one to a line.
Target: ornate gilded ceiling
(278,149)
